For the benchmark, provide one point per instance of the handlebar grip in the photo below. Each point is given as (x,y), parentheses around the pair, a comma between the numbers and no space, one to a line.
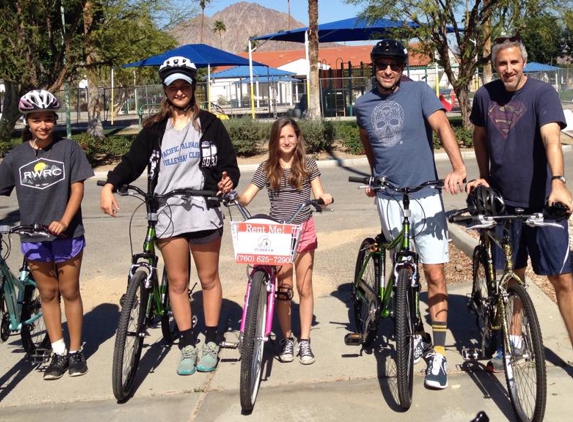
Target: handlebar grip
(320,201)
(101,182)
(358,179)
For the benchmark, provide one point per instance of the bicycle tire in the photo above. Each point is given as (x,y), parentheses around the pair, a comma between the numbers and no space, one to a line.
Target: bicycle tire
(34,335)
(129,336)
(366,314)
(168,325)
(481,303)
(404,330)
(525,370)
(253,341)
(4,316)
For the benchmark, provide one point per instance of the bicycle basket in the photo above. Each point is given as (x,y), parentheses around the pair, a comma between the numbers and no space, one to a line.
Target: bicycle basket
(260,241)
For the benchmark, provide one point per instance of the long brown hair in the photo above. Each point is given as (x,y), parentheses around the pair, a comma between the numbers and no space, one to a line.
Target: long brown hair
(298,172)
(167,110)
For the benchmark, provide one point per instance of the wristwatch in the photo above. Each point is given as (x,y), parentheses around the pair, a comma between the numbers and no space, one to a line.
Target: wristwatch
(562,178)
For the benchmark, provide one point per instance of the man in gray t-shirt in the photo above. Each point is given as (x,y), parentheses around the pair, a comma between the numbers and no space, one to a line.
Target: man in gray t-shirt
(396,120)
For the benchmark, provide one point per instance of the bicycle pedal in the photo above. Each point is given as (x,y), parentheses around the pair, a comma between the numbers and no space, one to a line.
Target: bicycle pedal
(229,344)
(40,356)
(353,339)
(471,353)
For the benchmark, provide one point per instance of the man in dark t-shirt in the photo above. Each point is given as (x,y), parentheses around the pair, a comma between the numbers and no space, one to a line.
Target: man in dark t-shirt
(517,122)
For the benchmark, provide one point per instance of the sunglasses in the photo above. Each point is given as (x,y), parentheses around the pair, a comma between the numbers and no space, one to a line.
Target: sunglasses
(394,66)
(514,38)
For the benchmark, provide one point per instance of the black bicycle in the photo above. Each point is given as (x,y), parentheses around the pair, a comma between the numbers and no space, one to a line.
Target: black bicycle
(146,301)
(505,313)
(397,297)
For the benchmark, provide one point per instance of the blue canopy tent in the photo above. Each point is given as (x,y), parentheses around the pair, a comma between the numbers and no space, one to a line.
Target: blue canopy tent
(202,55)
(351,29)
(539,67)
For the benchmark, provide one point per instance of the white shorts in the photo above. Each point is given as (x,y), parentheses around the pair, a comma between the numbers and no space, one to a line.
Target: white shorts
(428,226)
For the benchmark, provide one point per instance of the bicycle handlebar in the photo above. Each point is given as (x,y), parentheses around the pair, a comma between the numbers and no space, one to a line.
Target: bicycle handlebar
(123,190)
(382,182)
(489,221)
(33,230)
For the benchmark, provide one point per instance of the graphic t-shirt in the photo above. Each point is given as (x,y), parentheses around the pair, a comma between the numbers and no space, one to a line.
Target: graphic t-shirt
(43,180)
(518,160)
(179,169)
(286,199)
(400,136)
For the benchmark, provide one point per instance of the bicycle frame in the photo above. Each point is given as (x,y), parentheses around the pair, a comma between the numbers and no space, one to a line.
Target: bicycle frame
(13,289)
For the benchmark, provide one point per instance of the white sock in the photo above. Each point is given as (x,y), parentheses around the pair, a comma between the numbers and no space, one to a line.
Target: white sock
(59,347)
(516,341)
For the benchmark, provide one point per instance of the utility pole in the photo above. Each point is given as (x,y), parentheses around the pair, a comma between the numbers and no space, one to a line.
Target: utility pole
(288,23)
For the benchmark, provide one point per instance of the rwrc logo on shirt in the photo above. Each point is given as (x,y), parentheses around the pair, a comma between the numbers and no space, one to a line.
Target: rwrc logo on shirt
(42,173)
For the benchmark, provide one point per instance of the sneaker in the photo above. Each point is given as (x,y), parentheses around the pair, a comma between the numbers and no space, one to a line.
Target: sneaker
(78,365)
(57,367)
(187,361)
(496,363)
(305,354)
(209,357)
(436,373)
(287,352)
(422,345)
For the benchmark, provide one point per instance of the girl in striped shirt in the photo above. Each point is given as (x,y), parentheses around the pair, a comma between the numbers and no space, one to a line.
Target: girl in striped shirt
(289,177)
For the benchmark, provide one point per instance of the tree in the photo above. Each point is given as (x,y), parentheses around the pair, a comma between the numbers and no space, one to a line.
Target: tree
(481,22)
(219,27)
(38,51)
(203,4)
(314,87)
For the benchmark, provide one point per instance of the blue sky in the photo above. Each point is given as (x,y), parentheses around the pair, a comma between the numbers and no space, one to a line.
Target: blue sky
(328,10)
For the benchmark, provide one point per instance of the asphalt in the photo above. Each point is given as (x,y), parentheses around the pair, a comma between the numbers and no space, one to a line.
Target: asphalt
(345,383)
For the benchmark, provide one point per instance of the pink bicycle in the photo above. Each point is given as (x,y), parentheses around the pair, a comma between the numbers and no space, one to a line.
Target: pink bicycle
(264,245)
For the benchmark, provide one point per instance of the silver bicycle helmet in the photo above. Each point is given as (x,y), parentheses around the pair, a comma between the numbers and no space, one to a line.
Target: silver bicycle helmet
(38,100)
(175,68)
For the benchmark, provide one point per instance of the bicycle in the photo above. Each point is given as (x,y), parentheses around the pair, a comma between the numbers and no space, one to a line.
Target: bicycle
(20,307)
(264,245)
(397,297)
(146,300)
(505,310)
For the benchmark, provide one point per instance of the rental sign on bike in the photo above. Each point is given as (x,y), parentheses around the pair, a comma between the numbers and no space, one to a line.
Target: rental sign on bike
(260,241)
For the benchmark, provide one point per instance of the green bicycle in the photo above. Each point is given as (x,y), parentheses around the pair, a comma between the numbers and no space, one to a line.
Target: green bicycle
(20,308)
(373,297)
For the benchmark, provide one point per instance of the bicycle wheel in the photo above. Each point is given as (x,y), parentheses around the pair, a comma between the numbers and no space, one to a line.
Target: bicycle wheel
(34,333)
(129,337)
(404,329)
(168,325)
(525,359)
(481,303)
(365,289)
(253,341)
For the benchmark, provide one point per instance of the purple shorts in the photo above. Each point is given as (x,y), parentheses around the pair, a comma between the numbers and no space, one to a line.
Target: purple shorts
(59,250)
(308,240)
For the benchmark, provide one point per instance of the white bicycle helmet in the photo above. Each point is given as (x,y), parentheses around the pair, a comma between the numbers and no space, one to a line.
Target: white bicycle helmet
(38,100)
(177,67)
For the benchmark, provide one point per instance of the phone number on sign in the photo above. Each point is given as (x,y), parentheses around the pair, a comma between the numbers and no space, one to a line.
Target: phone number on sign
(262,259)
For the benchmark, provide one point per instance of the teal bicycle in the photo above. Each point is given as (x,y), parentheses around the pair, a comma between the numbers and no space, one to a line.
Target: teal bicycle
(20,308)
(397,297)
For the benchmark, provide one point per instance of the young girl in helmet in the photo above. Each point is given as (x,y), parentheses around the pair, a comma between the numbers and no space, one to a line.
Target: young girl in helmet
(289,177)
(184,147)
(48,173)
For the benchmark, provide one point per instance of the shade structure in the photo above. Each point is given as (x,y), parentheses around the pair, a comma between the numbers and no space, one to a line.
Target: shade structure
(351,29)
(202,55)
(539,67)
(244,72)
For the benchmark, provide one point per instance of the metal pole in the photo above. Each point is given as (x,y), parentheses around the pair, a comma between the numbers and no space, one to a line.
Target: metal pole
(66,85)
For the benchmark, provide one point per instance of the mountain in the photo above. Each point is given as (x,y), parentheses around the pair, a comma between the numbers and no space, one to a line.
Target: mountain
(242,20)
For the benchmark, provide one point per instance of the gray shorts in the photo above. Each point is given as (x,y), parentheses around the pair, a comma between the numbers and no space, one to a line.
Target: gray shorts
(428,225)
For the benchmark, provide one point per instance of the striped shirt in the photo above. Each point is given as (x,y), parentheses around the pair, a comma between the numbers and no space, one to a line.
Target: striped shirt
(286,199)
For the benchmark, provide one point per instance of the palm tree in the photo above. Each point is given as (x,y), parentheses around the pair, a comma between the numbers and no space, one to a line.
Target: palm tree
(203,4)
(314,89)
(219,27)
